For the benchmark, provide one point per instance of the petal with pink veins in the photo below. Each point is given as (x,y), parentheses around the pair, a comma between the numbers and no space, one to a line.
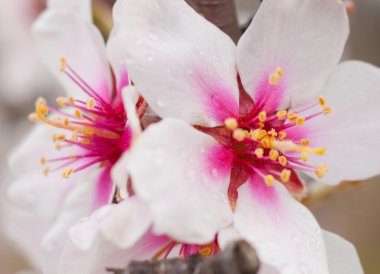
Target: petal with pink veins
(64,33)
(182,73)
(187,169)
(284,233)
(351,132)
(305,38)
(342,255)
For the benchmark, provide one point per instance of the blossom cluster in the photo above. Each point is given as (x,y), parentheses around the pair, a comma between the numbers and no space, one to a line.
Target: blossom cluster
(173,141)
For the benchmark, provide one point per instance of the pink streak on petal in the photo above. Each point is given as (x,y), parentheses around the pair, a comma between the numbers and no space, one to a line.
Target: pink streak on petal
(297,133)
(104,188)
(123,79)
(266,195)
(267,96)
(219,161)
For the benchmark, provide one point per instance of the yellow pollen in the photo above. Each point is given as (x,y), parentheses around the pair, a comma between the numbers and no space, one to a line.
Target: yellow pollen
(40,100)
(91,103)
(78,114)
(272,132)
(325,167)
(275,77)
(61,101)
(304,156)
(66,122)
(42,161)
(205,251)
(285,175)
(318,151)
(41,109)
(46,171)
(305,142)
(63,64)
(292,117)
(262,116)
(273,155)
(231,123)
(269,180)
(279,72)
(321,101)
(320,172)
(300,121)
(260,124)
(238,134)
(282,160)
(74,137)
(33,117)
(282,135)
(71,100)
(259,152)
(60,137)
(281,114)
(326,110)
(266,143)
(68,173)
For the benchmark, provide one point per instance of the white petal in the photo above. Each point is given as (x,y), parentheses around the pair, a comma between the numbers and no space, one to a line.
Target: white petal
(64,33)
(104,255)
(304,37)
(351,132)
(174,170)
(342,255)
(283,232)
(183,65)
(127,222)
(80,6)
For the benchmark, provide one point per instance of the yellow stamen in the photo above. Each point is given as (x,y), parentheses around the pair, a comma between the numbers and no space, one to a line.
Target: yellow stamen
(71,100)
(300,121)
(91,103)
(279,72)
(281,114)
(272,132)
(42,160)
(66,122)
(269,180)
(318,151)
(68,173)
(40,100)
(33,117)
(320,172)
(61,101)
(326,110)
(305,142)
(238,134)
(325,167)
(273,155)
(262,116)
(322,101)
(231,123)
(41,109)
(275,77)
(78,114)
(282,160)
(74,137)
(259,152)
(285,175)
(260,124)
(266,143)
(60,137)
(46,171)
(304,156)
(292,117)
(282,135)
(63,64)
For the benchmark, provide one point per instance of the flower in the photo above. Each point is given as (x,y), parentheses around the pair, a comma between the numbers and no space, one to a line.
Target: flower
(260,115)
(91,129)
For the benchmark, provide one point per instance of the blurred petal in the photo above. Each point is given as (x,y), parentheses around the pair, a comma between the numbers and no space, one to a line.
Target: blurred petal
(303,37)
(174,164)
(342,255)
(284,233)
(82,7)
(182,73)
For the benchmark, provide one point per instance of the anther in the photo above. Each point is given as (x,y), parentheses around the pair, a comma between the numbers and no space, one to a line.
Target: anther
(304,156)
(292,117)
(78,114)
(273,155)
(320,172)
(60,137)
(46,171)
(282,160)
(272,132)
(269,180)
(285,175)
(39,101)
(238,134)
(68,173)
(71,100)
(33,117)
(300,121)
(61,101)
(262,116)
(326,110)
(63,64)
(42,160)
(91,103)
(282,135)
(42,109)
(305,142)
(259,152)
(66,122)
(231,123)
(321,101)
(281,114)
(266,143)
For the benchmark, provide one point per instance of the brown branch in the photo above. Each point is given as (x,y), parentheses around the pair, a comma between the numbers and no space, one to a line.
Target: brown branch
(238,258)
(222,13)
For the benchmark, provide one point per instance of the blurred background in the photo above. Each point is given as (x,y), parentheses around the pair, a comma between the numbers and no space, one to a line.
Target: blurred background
(351,212)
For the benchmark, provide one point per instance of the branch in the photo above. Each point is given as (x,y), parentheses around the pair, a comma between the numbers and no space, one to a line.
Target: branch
(222,13)
(238,258)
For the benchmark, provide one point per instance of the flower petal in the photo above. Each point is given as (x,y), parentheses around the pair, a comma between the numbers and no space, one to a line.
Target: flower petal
(284,233)
(303,37)
(80,6)
(351,132)
(182,73)
(64,33)
(174,164)
(342,255)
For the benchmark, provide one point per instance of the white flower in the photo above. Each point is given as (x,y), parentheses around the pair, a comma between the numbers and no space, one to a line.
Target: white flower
(274,79)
